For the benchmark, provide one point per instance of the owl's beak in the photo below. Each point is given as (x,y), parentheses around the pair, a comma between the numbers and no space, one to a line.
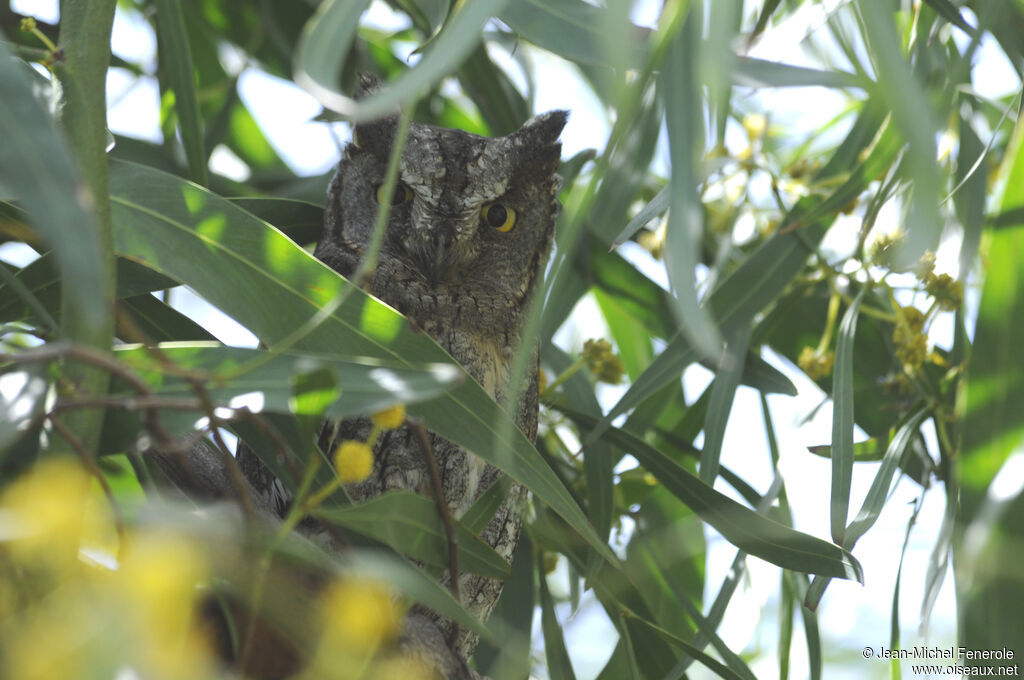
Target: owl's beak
(434,257)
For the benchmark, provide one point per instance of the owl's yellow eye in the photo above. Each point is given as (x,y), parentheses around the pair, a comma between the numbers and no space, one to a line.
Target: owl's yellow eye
(499,216)
(402,194)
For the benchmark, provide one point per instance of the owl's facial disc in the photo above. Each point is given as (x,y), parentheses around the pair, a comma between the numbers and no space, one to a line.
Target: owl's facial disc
(440,244)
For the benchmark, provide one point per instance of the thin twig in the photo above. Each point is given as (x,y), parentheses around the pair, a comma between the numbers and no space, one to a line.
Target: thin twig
(90,464)
(442,505)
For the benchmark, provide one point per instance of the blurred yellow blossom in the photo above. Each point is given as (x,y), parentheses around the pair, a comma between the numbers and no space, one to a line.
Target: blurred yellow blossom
(158,576)
(359,614)
(49,512)
(815,364)
(755,125)
(947,291)
(353,461)
(909,338)
(402,668)
(389,418)
(603,362)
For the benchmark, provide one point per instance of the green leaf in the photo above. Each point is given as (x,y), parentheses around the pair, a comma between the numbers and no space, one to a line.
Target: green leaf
(749,288)
(993,429)
(656,207)
(159,322)
(723,394)
(511,621)
(176,59)
(759,73)
(36,166)
(706,660)
(599,460)
(410,524)
(912,115)
(949,12)
(842,420)
(559,665)
(574,30)
(680,87)
(328,36)
(749,531)
(301,221)
(269,380)
(256,275)
(878,493)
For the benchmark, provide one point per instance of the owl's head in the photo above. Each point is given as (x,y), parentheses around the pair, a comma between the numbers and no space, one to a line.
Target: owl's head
(469,213)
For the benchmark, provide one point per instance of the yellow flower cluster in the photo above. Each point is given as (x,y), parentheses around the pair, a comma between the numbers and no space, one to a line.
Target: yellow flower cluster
(602,361)
(360,618)
(815,364)
(390,418)
(909,338)
(79,611)
(353,460)
(947,291)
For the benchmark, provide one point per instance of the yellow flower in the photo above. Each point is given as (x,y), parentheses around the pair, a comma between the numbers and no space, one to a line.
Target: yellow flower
(946,290)
(353,461)
(602,361)
(157,577)
(542,381)
(389,418)
(755,125)
(403,668)
(49,511)
(359,614)
(909,338)
(815,365)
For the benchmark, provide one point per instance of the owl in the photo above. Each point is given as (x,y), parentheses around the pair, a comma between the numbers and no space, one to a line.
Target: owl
(468,235)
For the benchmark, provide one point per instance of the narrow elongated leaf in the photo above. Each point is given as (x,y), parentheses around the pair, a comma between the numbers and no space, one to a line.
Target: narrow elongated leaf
(706,660)
(159,322)
(879,490)
(842,420)
(410,524)
(327,37)
(753,72)
(993,429)
(35,165)
(749,531)
(511,620)
(367,384)
(680,88)
(255,274)
(559,666)
(176,59)
(949,12)
(722,395)
(599,461)
(572,29)
(903,93)
(301,221)
(656,207)
(742,294)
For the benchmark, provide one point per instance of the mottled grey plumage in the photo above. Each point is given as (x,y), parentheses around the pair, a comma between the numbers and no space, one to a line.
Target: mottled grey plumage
(446,266)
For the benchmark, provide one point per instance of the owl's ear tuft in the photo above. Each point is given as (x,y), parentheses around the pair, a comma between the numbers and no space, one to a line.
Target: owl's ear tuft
(544,128)
(377,135)
(367,84)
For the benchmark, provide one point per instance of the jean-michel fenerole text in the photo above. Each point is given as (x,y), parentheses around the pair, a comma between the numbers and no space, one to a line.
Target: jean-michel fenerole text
(960,653)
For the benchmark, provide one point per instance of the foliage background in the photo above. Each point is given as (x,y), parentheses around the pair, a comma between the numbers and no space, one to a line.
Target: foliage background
(767,232)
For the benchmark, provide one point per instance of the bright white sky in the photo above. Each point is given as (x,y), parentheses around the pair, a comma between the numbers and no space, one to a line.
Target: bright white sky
(851,616)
